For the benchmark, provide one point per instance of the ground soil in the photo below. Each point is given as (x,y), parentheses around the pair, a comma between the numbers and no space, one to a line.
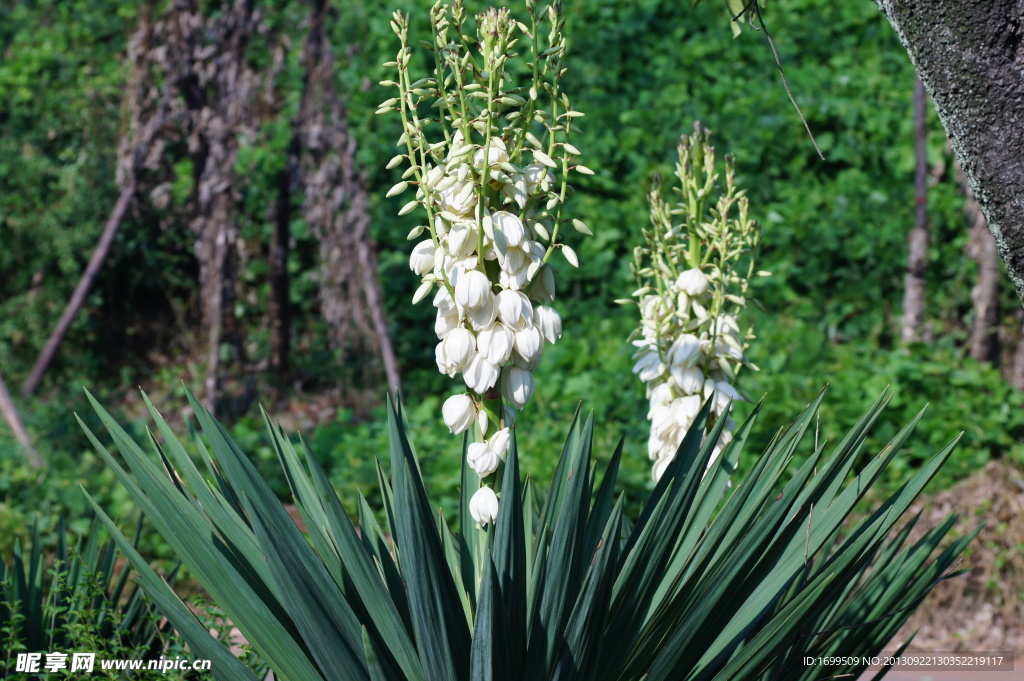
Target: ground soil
(983,610)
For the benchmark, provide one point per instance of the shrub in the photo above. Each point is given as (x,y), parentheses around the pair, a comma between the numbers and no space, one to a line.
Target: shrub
(711,580)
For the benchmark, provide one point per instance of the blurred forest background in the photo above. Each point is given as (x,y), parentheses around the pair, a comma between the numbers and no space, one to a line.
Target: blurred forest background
(234,149)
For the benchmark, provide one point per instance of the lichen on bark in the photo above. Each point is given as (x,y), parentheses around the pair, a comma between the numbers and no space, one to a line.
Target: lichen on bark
(970,57)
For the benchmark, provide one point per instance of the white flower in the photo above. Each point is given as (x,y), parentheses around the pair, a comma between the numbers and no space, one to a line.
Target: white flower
(659,395)
(549,323)
(529,345)
(724,393)
(459,199)
(499,442)
(443,365)
(685,409)
(445,322)
(513,259)
(648,364)
(462,238)
(443,302)
(690,380)
(514,309)
(517,386)
(662,419)
(422,259)
(495,343)
(692,282)
(514,279)
(484,316)
(458,412)
(480,376)
(509,225)
(472,289)
(496,155)
(538,177)
(684,351)
(659,467)
(458,346)
(484,506)
(482,458)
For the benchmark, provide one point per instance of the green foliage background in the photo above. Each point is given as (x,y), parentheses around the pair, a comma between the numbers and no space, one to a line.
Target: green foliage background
(643,71)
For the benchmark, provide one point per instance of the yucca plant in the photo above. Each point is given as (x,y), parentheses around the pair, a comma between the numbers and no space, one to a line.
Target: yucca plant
(75,598)
(712,581)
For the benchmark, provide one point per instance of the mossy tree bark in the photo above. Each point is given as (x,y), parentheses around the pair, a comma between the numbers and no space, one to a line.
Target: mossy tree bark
(970,57)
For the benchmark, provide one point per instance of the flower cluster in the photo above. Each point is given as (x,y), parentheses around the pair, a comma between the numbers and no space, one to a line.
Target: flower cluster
(490,164)
(689,345)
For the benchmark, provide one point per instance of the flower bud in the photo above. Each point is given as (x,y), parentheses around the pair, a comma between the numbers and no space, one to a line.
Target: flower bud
(422,259)
(692,282)
(483,506)
(549,323)
(458,412)
(472,289)
(514,309)
(544,287)
(482,458)
(516,386)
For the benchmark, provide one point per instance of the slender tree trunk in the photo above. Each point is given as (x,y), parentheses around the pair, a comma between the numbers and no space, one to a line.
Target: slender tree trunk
(970,56)
(10,413)
(916,288)
(1014,371)
(82,290)
(985,294)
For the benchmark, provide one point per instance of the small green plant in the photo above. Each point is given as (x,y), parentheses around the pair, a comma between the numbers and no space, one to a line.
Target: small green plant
(76,600)
(710,581)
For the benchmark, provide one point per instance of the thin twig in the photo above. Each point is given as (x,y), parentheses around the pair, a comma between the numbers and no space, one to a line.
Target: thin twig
(778,62)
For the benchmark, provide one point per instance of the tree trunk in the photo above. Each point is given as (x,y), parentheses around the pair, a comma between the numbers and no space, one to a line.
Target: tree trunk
(970,56)
(985,295)
(82,290)
(208,66)
(1013,371)
(916,289)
